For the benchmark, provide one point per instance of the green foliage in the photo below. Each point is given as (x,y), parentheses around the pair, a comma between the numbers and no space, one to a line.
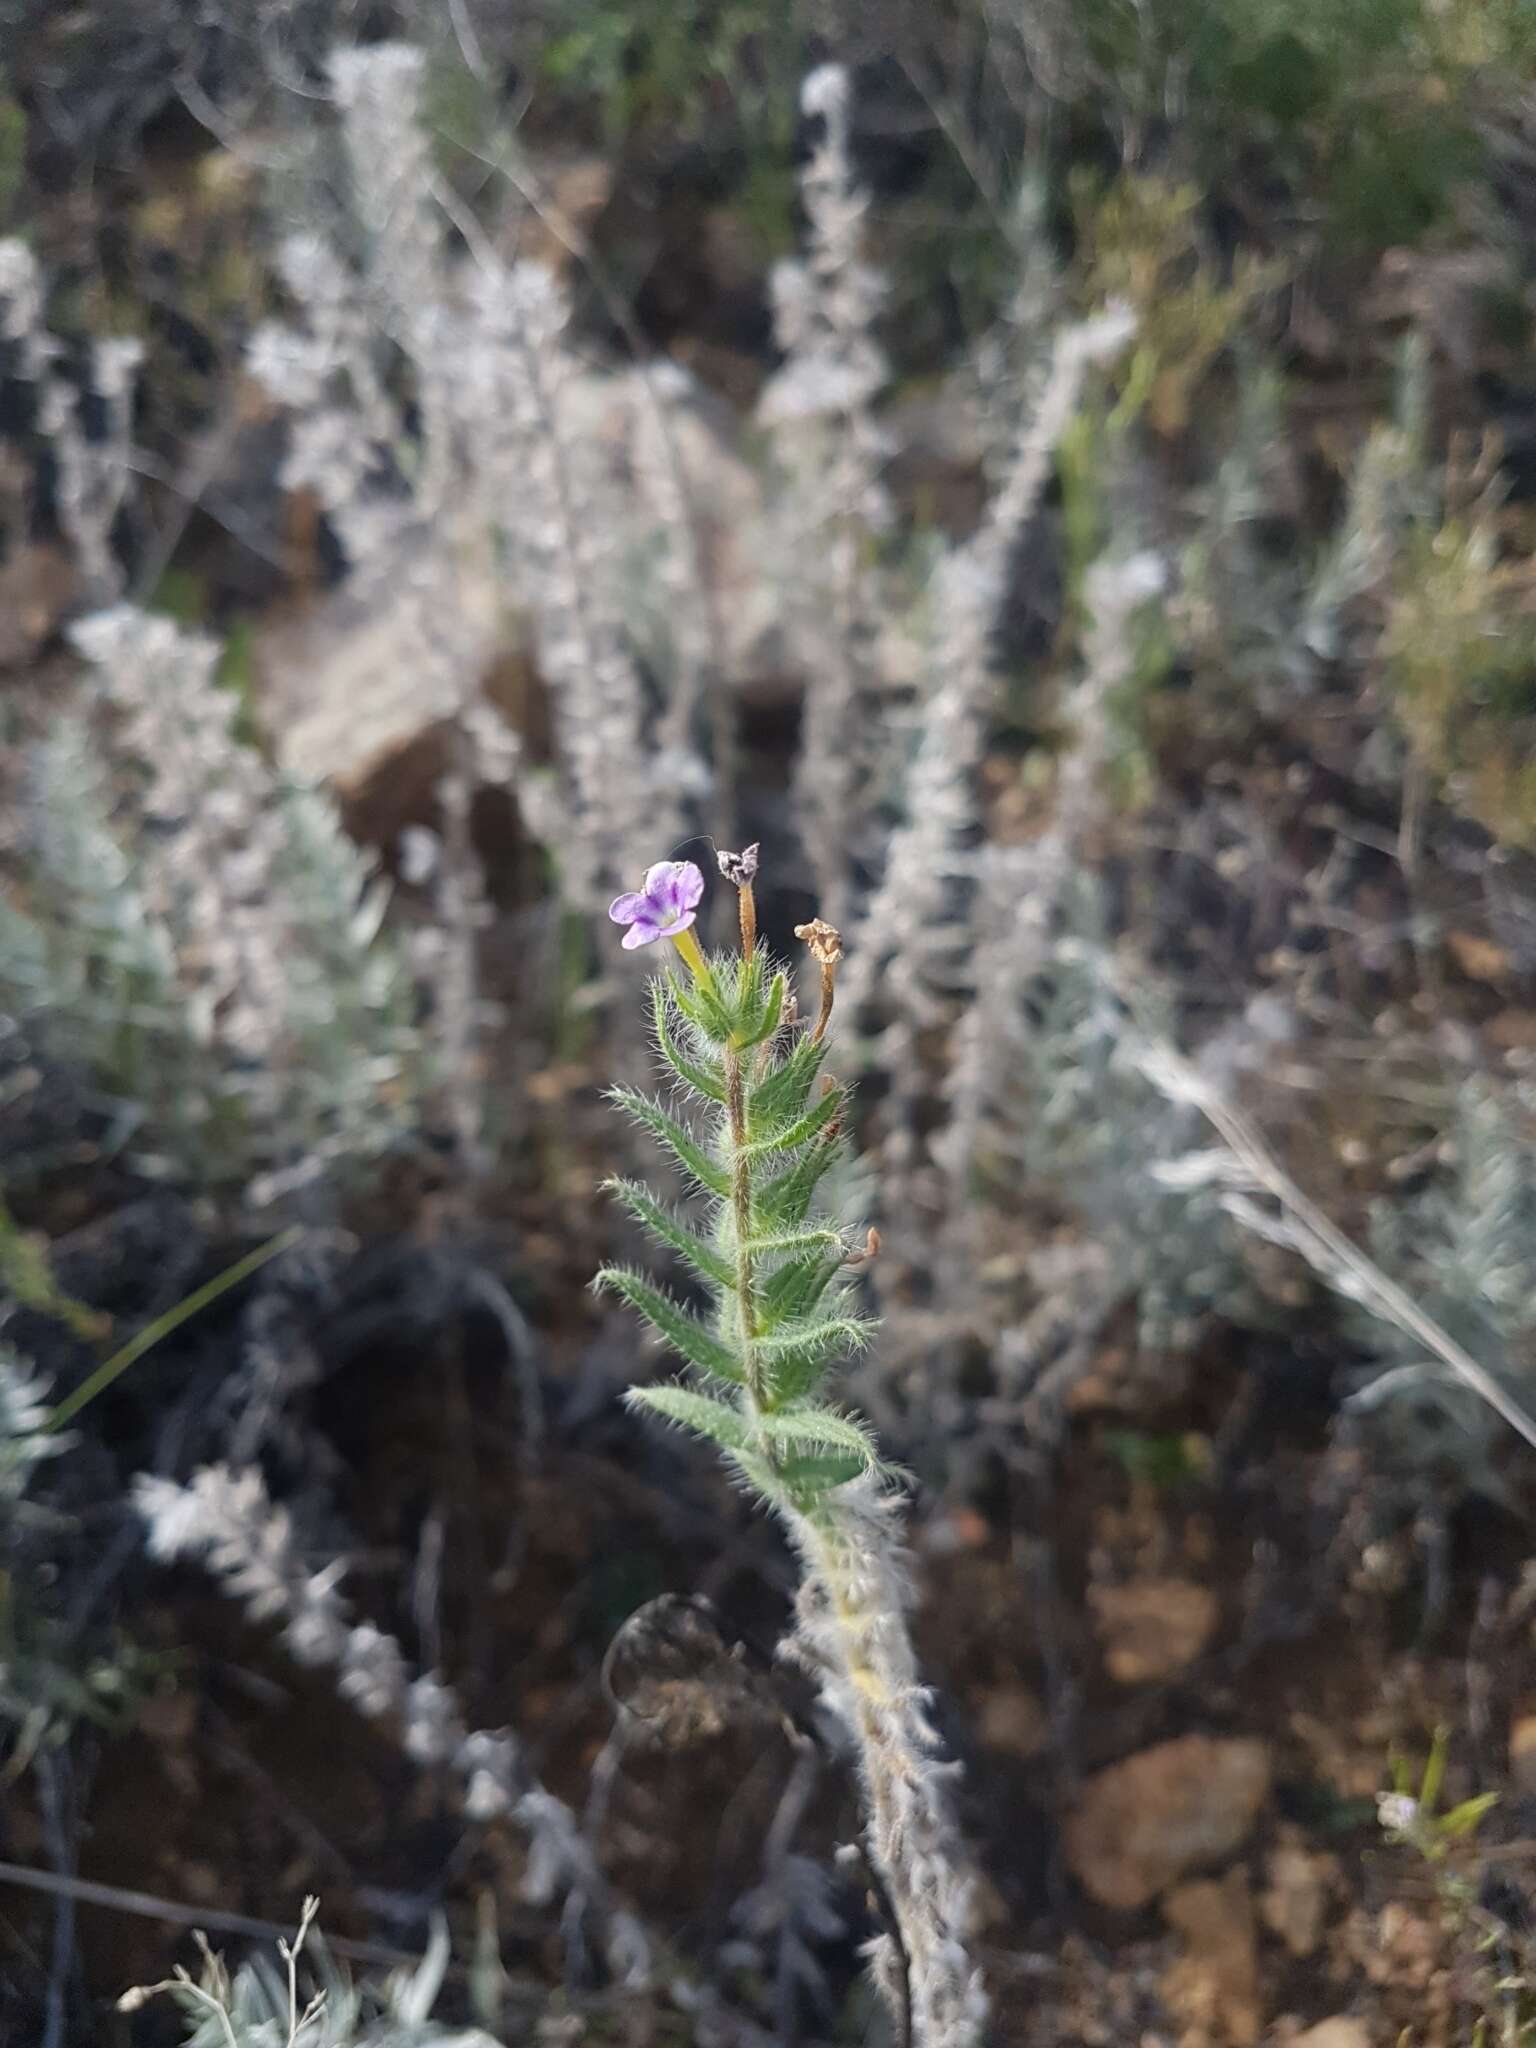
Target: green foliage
(657,61)
(1368,111)
(1459,649)
(13,152)
(1410,1812)
(1167,1461)
(26,1275)
(1142,243)
(1497,1967)
(778,1322)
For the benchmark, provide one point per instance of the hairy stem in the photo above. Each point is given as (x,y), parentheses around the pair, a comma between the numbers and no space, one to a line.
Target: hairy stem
(853,1630)
(741,1205)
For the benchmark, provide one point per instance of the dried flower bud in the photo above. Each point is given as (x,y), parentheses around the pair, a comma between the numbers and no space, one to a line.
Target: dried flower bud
(740,869)
(824,940)
(826,948)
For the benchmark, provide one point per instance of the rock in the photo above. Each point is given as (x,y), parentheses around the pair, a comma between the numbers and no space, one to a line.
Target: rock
(1213,1989)
(1294,1903)
(572,194)
(352,688)
(1522,1753)
(1012,1719)
(1478,958)
(38,585)
(1141,1824)
(1339,2032)
(1153,1628)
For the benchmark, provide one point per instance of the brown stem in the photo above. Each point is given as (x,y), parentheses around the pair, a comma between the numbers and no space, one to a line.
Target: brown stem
(824,1014)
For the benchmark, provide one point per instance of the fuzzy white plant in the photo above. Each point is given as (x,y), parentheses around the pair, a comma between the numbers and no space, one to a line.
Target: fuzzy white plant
(264,2004)
(26,1438)
(1020,889)
(909,945)
(482,471)
(852,1632)
(1472,1255)
(225,1518)
(92,470)
(200,930)
(832,451)
(906,918)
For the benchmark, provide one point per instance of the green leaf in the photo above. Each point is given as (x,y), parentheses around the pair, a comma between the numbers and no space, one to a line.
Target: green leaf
(761,1475)
(812,1473)
(797,1241)
(678,1325)
(722,1424)
(144,1340)
(767,1020)
(783,1094)
(705,1260)
(710,1085)
(794,1288)
(1434,1770)
(689,1154)
(815,1430)
(701,1006)
(796,1358)
(789,1137)
(786,1198)
(1463,1819)
(746,995)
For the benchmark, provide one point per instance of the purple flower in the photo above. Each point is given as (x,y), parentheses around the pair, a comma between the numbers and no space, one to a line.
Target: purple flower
(664,907)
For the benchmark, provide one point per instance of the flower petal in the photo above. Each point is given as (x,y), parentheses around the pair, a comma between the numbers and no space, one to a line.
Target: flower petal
(625,909)
(690,885)
(671,931)
(659,880)
(641,933)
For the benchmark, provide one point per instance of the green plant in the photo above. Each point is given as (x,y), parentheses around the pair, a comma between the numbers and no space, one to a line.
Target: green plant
(779,1317)
(781,1312)
(1495,1962)
(1410,1812)
(1459,654)
(1144,246)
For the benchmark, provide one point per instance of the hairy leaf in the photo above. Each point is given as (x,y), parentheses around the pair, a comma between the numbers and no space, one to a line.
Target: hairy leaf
(678,1325)
(716,1420)
(796,1287)
(783,1093)
(789,1137)
(705,1260)
(808,1474)
(797,1241)
(711,1085)
(814,1430)
(786,1198)
(690,1155)
(701,1006)
(766,1020)
(816,1344)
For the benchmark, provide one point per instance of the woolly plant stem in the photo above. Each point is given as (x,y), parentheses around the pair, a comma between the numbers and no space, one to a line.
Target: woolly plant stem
(853,1631)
